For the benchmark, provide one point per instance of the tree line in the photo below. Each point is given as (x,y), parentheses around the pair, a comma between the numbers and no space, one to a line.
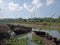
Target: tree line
(32,20)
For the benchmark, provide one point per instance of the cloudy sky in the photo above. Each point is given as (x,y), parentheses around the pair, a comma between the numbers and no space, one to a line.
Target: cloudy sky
(29,8)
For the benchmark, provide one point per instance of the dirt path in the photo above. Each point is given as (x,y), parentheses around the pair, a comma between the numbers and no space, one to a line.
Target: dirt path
(47,42)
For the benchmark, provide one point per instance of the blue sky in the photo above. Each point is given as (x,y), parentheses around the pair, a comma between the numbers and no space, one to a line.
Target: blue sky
(27,8)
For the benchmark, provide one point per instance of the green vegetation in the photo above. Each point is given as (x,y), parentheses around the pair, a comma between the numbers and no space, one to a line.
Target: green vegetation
(37,40)
(43,27)
(16,41)
(32,20)
(37,21)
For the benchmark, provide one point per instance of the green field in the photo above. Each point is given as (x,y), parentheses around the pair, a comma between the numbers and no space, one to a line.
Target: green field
(38,25)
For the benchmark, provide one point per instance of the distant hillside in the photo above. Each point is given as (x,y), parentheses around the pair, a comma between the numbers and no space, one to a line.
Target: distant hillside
(31,20)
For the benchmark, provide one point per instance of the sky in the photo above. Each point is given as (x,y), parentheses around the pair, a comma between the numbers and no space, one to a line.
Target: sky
(29,8)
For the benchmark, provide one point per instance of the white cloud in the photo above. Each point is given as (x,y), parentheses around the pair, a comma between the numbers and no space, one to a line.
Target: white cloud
(49,2)
(20,8)
(14,7)
(32,9)
(1,1)
(37,3)
(27,7)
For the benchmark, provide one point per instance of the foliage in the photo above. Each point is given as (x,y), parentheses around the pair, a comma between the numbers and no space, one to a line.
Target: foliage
(16,41)
(37,40)
(32,20)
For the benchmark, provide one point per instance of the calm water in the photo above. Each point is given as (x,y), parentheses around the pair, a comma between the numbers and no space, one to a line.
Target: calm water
(29,35)
(54,33)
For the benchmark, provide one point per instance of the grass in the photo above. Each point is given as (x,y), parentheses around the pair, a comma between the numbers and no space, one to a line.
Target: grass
(43,27)
(39,25)
(16,41)
(37,40)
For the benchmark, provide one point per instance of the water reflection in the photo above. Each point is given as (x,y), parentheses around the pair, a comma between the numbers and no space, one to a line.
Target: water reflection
(53,33)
